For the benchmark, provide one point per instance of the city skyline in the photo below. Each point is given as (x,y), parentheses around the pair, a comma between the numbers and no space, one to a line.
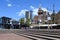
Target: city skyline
(16,8)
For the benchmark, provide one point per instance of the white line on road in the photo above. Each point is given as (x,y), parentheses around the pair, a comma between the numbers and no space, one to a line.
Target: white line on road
(45,37)
(32,37)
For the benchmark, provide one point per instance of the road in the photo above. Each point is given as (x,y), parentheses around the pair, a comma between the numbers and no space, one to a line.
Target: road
(36,34)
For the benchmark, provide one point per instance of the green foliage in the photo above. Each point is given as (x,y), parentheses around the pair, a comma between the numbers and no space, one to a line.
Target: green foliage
(21,21)
(28,22)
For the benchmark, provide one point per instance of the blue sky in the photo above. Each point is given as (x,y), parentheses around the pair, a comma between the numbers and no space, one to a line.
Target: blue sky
(16,8)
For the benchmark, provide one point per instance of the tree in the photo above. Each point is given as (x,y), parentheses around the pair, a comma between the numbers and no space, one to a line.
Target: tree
(25,24)
(28,22)
(21,21)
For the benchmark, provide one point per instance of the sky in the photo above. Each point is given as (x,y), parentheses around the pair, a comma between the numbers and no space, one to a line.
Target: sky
(16,8)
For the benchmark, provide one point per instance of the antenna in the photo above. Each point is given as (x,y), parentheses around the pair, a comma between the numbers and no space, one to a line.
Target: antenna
(39,5)
(53,8)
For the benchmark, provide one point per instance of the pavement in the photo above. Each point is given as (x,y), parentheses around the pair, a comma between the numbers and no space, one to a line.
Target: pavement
(30,34)
(12,36)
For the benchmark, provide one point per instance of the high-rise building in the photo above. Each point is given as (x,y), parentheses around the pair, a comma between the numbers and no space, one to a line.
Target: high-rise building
(27,15)
(31,15)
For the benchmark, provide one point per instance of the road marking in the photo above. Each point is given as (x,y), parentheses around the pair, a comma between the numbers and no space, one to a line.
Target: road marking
(43,36)
(30,37)
(49,35)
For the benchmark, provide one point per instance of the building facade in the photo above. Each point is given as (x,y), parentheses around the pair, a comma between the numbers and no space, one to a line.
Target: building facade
(27,15)
(31,15)
(42,16)
(57,18)
(35,19)
(6,23)
(14,24)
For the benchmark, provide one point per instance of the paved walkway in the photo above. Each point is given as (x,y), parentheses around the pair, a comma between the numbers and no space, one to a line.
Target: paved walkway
(11,36)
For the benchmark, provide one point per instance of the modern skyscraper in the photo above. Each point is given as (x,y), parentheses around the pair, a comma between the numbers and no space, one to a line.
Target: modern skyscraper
(27,15)
(31,14)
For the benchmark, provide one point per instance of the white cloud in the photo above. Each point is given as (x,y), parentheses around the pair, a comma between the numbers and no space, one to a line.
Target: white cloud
(35,11)
(44,9)
(9,5)
(21,13)
(32,7)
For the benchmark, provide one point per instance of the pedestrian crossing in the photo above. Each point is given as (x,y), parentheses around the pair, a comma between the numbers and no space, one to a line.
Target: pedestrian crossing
(40,36)
(30,37)
(36,34)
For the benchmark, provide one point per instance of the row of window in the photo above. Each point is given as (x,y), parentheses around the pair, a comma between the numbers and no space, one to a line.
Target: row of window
(0,20)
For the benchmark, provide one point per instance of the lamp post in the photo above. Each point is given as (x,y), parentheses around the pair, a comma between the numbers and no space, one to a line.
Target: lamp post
(48,22)
(11,24)
(19,25)
(40,22)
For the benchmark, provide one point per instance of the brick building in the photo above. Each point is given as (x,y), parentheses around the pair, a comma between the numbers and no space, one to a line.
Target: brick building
(35,20)
(57,18)
(41,17)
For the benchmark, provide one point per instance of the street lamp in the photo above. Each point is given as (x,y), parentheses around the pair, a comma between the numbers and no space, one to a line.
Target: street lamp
(31,27)
(48,21)
(19,24)
(40,22)
(10,23)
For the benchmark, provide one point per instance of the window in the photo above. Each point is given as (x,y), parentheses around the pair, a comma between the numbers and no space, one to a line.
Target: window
(0,20)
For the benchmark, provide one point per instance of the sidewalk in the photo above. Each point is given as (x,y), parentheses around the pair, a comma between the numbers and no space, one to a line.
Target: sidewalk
(11,36)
